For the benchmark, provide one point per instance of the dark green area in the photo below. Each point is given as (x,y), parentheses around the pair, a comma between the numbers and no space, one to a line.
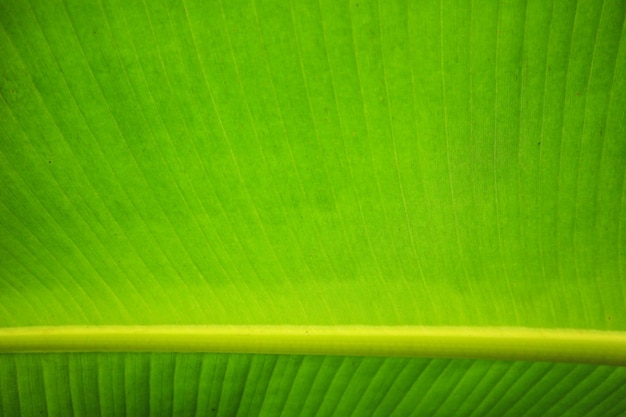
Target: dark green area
(115,384)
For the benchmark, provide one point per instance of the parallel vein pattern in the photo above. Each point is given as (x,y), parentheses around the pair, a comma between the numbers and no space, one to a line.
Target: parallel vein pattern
(439,163)
(364,162)
(260,385)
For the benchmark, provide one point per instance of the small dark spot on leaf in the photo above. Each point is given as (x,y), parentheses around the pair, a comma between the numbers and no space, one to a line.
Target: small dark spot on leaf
(538,143)
(609,317)
(49,162)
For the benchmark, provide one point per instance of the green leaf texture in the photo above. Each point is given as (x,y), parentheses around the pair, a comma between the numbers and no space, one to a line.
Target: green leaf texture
(439,164)
(268,385)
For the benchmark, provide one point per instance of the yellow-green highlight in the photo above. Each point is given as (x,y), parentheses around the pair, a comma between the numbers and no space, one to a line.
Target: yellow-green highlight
(557,345)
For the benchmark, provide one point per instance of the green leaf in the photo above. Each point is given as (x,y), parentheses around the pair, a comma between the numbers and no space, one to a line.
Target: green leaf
(164,384)
(447,167)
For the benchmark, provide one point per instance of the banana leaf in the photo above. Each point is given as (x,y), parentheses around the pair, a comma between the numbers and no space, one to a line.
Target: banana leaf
(312,208)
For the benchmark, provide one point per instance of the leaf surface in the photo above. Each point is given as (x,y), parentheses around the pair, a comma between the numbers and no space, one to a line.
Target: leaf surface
(440,164)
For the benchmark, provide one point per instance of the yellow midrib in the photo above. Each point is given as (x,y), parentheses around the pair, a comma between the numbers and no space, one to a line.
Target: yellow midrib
(559,345)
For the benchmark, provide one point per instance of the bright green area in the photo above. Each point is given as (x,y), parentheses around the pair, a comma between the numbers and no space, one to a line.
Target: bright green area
(301,163)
